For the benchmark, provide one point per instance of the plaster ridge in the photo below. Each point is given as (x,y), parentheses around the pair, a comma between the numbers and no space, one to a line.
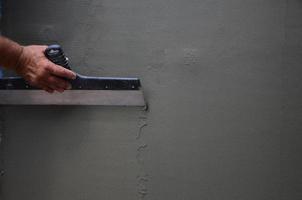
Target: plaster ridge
(142,177)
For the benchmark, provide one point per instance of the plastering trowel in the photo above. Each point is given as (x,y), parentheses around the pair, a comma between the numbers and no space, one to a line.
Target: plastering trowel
(86,90)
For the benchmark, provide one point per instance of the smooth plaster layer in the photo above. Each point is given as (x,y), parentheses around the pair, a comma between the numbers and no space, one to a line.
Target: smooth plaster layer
(223,81)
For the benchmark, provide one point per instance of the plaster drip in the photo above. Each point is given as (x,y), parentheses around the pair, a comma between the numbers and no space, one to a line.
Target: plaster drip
(142,177)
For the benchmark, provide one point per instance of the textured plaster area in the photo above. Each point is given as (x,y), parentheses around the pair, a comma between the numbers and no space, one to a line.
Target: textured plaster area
(223,82)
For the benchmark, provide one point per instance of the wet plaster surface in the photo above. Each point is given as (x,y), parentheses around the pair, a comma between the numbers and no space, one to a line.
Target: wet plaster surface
(223,81)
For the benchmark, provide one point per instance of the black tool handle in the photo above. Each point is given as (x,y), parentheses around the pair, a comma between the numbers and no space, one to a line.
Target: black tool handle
(56,55)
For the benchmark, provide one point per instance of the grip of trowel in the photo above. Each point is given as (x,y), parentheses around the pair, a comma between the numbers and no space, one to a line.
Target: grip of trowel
(56,55)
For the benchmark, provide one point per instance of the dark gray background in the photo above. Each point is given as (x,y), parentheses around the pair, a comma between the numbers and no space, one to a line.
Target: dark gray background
(223,80)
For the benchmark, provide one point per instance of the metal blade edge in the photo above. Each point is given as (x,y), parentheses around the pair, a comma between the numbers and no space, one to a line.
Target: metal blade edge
(73,97)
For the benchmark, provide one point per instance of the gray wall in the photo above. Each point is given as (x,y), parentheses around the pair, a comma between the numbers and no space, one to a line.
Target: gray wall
(223,80)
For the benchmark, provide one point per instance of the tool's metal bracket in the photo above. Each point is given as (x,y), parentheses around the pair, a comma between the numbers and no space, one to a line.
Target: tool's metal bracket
(80,83)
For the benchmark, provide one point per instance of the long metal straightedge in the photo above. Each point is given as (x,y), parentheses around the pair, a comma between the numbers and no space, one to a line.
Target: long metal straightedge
(73,97)
(86,90)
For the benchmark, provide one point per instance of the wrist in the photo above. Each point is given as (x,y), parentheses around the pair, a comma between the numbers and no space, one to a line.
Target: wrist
(11,53)
(20,58)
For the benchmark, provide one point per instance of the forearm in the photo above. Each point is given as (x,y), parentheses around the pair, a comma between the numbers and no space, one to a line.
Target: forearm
(10,53)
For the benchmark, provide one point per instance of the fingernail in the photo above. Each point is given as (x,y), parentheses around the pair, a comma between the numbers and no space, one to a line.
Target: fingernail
(69,87)
(74,76)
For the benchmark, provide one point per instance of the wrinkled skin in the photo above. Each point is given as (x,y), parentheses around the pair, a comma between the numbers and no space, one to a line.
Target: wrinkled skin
(35,68)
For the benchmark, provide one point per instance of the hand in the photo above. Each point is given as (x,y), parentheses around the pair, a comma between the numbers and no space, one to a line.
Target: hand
(39,72)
